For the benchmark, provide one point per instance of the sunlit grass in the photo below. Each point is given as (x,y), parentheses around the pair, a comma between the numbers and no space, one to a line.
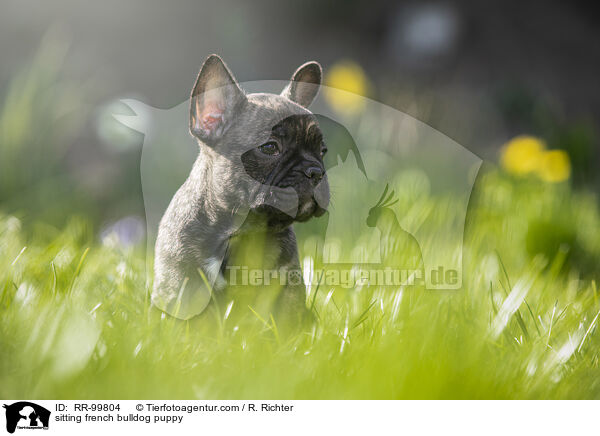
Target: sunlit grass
(77,322)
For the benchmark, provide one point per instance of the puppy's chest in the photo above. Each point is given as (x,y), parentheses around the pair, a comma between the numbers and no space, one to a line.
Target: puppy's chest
(255,251)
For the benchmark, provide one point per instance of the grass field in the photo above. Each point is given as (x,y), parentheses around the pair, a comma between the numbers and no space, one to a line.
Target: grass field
(77,323)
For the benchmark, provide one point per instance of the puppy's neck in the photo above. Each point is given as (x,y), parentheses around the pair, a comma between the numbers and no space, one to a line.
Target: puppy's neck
(208,197)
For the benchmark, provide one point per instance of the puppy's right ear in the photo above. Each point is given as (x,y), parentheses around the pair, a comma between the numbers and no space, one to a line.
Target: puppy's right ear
(304,86)
(215,100)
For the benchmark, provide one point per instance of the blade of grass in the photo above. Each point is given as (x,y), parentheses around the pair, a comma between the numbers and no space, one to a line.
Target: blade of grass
(18,256)
(363,315)
(54,278)
(492,299)
(518,312)
(273,327)
(314,298)
(532,317)
(78,269)
(588,331)
(551,323)
(275,330)
(218,313)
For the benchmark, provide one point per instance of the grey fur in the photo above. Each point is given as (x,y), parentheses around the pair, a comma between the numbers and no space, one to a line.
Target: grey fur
(219,200)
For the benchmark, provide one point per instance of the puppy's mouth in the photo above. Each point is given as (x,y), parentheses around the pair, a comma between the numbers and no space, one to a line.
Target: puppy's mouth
(284,206)
(309,209)
(304,211)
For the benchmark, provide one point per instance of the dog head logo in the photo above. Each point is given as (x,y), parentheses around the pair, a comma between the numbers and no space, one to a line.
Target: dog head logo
(26,415)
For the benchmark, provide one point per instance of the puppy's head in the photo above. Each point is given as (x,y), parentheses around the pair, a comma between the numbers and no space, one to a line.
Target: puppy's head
(265,151)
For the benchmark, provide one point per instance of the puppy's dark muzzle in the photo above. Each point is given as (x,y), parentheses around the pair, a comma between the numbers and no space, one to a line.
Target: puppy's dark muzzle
(320,194)
(315,174)
(319,211)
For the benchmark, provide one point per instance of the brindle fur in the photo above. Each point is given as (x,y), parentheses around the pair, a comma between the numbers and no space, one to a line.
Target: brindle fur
(232,197)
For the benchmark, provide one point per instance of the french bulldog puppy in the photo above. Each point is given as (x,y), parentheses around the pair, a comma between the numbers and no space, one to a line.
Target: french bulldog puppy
(259,169)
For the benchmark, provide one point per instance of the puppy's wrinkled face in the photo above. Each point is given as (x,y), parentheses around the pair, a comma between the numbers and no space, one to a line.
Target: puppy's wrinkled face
(264,151)
(290,163)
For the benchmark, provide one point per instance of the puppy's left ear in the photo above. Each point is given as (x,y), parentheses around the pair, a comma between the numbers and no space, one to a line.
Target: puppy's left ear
(215,100)
(304,86)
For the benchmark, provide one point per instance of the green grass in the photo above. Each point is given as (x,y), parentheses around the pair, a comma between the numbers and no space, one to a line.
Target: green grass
(77,323)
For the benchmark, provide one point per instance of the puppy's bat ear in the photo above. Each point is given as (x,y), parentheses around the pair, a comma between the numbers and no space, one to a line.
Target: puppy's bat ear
(304,86)
(215,100)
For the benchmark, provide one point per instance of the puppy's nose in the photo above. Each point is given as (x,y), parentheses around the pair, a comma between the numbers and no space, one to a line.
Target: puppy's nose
(314,173)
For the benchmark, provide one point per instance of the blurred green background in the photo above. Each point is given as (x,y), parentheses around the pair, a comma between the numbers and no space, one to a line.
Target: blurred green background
(514,82)
(479,74)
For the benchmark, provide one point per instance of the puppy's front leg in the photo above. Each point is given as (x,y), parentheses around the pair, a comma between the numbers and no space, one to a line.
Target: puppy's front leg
(183,289)
(290,306)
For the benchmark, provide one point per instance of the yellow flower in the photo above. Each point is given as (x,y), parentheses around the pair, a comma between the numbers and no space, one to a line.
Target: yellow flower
(522,155)
(528,155)
(555,166)
(350,77)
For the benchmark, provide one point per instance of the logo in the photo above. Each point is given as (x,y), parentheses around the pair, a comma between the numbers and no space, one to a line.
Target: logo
(26,415)
(401,191)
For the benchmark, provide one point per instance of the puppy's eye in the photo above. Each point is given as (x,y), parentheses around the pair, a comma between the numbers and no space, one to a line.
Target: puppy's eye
(270,148)
(323,151)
